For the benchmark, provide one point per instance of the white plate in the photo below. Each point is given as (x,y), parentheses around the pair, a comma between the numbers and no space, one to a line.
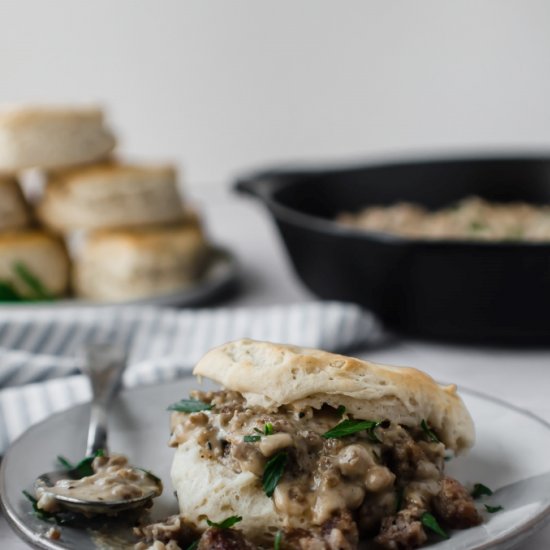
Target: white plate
(511,455)
(220,276)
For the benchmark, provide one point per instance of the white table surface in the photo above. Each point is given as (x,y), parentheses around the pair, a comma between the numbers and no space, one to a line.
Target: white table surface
(521,377)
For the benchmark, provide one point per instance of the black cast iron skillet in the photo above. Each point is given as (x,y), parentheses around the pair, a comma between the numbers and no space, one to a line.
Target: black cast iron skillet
(493,292)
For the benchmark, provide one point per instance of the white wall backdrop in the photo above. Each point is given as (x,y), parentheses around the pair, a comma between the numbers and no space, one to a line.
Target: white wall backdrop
(223,85)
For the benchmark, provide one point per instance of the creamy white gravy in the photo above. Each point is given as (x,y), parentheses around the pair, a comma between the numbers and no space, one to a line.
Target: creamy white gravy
(113,480)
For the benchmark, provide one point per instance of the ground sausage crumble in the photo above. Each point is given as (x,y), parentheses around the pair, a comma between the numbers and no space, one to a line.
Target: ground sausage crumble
(372,485)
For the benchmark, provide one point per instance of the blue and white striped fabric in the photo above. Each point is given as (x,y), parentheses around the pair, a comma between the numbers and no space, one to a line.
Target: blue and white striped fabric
(38,372)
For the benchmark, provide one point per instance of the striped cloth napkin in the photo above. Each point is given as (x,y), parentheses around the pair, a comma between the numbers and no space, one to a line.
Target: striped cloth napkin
(38,346)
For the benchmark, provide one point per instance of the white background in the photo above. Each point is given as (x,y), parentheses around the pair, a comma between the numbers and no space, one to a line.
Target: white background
(222,86)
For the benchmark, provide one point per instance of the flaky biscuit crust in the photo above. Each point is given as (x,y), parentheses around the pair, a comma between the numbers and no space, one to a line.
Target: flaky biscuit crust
(270,375)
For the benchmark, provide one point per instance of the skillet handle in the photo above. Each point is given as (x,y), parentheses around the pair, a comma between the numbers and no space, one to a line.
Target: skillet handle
(265,183)
(256,184)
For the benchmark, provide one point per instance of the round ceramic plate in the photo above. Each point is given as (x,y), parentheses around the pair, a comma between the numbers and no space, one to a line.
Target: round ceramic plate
(511,457)
(220,276)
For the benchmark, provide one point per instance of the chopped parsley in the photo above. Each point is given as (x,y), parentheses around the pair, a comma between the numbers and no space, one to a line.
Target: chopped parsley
(274,470)
(36,289)
(341,411)
(349,427)
(8,293)
(226,523)
(429,432)
(193,545)
(61,518)
(493,509)
(252,438)
(35,285)
(277,540)
(268,430)
(38,512)
(480,490)
(430,523)
(189,406)
(82,468)
(477,226)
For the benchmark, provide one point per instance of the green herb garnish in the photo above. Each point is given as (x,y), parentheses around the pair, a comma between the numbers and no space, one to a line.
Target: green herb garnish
(341,411)
(477,226)
(65,463)
(479,490)
(429,432)
(8,293)
(82,468)
(252,438)
(277,540)
(268,430)
(35,285)
(274,470)
(38,512)
(226,523)
(193,545)
(349,427)
(37,290)
(189,406)
(493,509)
(430,522)
(61,518)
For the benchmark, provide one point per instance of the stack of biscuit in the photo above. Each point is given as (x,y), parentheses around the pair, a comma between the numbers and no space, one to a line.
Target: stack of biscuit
(139,240)
(34,263)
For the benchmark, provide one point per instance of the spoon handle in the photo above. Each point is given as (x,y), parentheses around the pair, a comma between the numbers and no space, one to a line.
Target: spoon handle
(104,365)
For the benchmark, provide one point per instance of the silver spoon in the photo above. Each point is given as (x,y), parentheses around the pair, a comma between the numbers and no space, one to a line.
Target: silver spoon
(103,364)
